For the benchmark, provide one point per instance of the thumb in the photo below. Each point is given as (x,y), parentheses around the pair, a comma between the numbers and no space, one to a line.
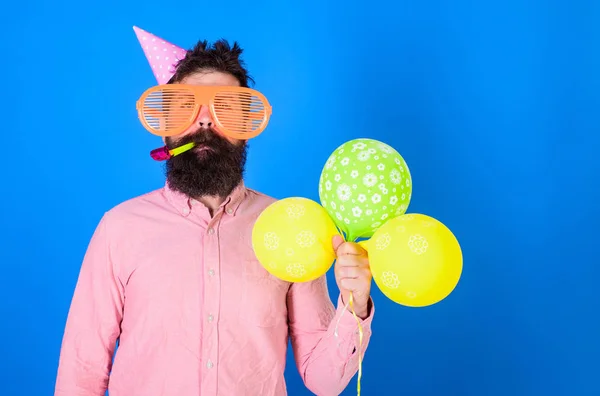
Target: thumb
(337,241)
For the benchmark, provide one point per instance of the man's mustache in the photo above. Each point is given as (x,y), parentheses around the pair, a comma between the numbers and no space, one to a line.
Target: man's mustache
(202,137)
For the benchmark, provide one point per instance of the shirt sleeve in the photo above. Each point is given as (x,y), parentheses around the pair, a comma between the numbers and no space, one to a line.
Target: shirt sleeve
(93,323)
(325,339)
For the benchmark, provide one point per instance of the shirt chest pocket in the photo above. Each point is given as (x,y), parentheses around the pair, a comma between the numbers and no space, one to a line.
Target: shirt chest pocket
(263,296)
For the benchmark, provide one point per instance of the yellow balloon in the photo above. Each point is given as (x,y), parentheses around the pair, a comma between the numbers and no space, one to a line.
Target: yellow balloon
(415,260)
(292,239)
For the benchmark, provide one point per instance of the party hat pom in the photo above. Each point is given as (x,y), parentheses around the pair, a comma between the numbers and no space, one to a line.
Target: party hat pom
(162,55)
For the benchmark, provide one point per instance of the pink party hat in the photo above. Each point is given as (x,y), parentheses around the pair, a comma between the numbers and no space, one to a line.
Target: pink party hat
(161,54)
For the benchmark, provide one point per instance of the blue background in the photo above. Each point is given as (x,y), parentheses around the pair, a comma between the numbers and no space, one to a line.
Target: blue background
(495,108)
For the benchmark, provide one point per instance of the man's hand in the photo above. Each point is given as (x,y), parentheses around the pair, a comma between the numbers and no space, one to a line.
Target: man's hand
(353,274)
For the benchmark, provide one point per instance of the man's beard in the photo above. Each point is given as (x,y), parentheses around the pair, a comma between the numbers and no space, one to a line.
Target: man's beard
(214,171)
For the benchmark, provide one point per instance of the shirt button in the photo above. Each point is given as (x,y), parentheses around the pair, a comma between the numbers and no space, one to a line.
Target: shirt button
(209,364)
(229,211)
(211,231)
(211,272)
(210,318)
(186,211)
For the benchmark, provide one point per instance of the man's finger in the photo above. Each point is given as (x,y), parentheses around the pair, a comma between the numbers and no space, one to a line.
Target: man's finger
(349,272)
(350,249)
(337,241)
(353,285)
(352,261)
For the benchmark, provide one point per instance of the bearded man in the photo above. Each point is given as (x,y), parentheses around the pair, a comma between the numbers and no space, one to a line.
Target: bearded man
(171,276)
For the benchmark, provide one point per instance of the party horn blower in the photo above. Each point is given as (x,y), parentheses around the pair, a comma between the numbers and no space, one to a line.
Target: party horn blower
(415,260)
(292,239)
(363,184)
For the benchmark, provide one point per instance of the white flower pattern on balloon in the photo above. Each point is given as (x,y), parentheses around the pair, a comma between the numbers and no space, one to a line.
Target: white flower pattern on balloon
(369,180)
(306,239)
(401,209)
(385,148)
(296,270)
(395,176)
(295,211)
(390,279)
(344,192)
(363,156)
(383,241)
(418,244)
(330,162)
(271,240)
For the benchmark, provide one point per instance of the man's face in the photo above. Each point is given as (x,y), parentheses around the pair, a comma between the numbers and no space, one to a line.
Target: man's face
(215,166)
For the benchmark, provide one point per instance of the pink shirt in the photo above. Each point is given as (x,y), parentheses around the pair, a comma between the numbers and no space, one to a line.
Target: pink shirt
(194,311)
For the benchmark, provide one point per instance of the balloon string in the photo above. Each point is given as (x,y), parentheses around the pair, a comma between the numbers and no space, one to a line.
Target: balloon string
(360,335)
(360,330)
(360,340)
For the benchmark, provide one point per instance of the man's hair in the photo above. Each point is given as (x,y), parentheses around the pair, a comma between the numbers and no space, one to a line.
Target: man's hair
(219,57)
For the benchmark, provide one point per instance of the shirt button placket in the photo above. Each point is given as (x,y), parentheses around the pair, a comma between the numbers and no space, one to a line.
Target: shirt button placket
(211,304)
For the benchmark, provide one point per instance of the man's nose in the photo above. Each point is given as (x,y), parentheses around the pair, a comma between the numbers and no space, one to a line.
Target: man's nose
(204,119)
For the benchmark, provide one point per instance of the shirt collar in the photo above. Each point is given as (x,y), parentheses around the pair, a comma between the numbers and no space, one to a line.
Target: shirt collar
(184,204)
